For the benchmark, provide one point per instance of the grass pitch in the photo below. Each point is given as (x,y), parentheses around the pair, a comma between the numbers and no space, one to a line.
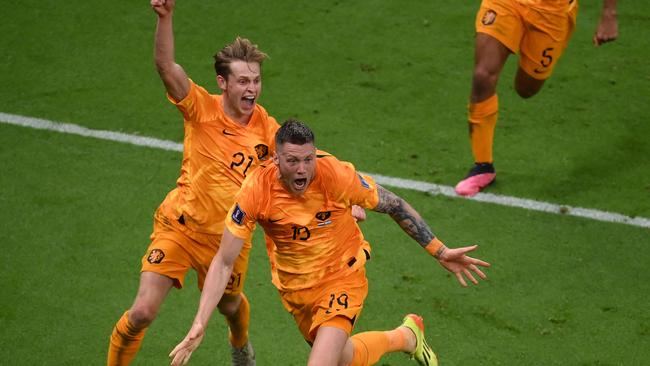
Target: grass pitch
(385,85)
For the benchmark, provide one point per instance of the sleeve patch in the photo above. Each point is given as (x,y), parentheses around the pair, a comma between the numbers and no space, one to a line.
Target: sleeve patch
(238,215)
(363,182)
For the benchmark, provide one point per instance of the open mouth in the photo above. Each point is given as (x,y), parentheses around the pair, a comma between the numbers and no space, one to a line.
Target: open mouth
(249,101)
(300,184)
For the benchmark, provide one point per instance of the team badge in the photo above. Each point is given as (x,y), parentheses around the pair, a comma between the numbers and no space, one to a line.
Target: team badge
(324,215)
(262,151)
(363,182)
(489,17)
(155,256)
(238,215)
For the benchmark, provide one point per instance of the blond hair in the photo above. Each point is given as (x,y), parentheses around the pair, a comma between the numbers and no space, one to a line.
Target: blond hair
(240,49)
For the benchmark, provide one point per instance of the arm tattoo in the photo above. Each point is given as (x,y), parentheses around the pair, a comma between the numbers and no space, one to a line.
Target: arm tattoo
(404,215)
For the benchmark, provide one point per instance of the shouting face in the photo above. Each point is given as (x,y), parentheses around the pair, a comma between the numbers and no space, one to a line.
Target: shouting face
(241,89)
(297,166)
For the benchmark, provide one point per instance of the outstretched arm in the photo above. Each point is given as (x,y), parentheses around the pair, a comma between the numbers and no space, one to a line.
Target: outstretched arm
(607,30)
(215,283)
(453,259)
(171,73)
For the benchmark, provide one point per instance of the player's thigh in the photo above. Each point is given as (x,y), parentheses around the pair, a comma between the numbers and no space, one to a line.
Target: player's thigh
(152,291)
(498,34)
(328,346)
(490,56)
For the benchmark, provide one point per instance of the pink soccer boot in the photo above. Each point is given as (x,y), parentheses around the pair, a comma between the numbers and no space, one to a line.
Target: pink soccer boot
(480,176)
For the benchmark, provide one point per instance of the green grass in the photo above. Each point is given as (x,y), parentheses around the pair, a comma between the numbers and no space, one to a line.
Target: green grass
(385,85)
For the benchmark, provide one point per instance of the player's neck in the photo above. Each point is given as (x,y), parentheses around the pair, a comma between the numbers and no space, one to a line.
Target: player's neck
(237,116)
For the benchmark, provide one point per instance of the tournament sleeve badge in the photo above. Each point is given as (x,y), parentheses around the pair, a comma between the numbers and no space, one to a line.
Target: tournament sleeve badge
(238,215)
(364,183)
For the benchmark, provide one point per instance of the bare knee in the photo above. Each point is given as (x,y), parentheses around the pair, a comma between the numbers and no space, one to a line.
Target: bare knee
(142,315)
(151,293)
(484,83)
(527,86)
(229,304)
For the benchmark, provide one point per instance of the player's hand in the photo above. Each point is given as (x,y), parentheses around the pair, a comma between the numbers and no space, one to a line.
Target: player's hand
(358,213)
(607,30)
(456,261)
(183,351)
(163,7)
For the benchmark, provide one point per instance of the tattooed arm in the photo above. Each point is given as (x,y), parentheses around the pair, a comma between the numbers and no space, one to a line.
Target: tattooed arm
(454,260)
(407,218)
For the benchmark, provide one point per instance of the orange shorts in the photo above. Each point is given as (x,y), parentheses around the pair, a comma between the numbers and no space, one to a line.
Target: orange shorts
(174,249)
(336,303)
(539,36)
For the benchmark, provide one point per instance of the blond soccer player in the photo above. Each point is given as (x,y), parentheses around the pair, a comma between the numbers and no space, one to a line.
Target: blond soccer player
(227,137)
(318,253)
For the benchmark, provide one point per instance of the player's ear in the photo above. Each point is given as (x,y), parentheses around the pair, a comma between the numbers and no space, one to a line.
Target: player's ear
(221,81)
(275,158)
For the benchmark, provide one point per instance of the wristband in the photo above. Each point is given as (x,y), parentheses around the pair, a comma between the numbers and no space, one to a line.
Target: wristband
(433,247)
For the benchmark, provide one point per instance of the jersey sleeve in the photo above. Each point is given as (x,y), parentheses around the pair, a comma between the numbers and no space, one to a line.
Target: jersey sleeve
(242,216)
(193,105)
(273,127)
(352,186)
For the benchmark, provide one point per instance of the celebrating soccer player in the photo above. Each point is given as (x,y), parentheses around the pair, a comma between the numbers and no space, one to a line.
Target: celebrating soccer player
(318,253)
(539,31)
(227,137)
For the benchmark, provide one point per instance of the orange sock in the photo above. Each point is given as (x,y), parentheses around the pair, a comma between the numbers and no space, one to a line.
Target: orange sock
(482,120)
(238,324)
(125,342)
(370,346)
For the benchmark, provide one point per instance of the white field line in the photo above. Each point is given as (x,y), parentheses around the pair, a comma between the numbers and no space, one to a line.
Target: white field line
(434,189)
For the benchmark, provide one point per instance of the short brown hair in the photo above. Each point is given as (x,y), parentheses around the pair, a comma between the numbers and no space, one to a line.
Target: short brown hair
(294,132)
(240,49)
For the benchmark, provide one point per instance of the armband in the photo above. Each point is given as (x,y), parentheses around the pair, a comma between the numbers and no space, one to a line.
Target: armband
(434,247)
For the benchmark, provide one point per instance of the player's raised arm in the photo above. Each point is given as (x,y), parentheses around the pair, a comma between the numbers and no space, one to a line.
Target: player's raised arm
(454,260)
(215,283)
(171,73)
(607,29)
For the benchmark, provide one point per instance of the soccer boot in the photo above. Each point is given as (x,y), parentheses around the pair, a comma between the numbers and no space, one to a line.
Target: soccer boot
(244,356)
(479,177)
(422,353)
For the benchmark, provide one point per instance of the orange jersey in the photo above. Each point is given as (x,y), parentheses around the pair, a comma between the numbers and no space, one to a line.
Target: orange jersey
(218,154)
(313,237)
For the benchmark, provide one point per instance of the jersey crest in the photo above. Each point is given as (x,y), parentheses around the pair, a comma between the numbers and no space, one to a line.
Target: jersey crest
(155,256)
(324,215)
(489,17)
(262,151)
